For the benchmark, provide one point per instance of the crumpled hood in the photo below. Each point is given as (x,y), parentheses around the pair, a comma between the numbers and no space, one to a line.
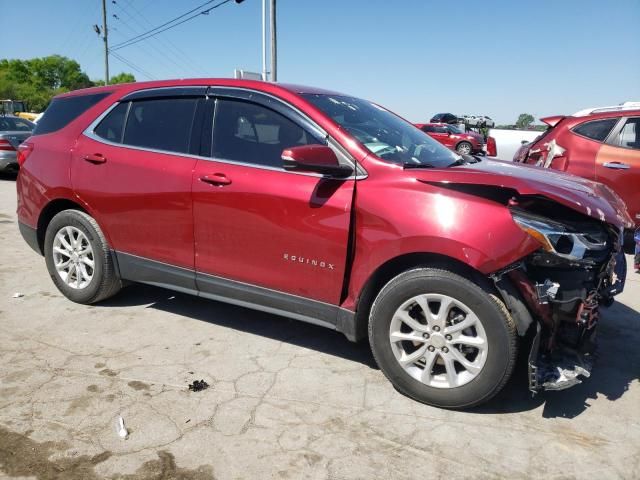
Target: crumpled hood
(585,196)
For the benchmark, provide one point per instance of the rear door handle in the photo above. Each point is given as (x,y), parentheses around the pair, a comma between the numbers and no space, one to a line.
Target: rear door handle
(217,179)
(617,165)
(95,158)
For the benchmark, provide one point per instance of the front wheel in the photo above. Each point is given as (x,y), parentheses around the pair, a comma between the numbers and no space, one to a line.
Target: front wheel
(78,258)
(464,148)
(442,339)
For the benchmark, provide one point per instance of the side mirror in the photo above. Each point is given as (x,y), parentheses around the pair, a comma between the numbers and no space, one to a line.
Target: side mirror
(314,158)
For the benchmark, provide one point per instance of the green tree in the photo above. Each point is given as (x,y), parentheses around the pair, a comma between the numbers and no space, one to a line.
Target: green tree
(120,78)
(524,120)
(37,80)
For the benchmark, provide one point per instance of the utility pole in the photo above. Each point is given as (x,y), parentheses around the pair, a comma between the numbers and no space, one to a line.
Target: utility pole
(106,42)
(264,40)
(274,45)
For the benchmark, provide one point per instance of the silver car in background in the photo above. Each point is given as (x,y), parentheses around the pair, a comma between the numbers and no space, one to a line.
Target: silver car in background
(13,131)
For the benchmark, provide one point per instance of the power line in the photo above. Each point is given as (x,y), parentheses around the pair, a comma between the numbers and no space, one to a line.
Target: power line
(160,57)
(179,54)
(178,59)
(159,29)
(132,66)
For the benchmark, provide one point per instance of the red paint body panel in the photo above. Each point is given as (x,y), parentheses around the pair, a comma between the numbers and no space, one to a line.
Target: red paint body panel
(585,157)
(258,223)
(142,199)
(396,214)
(273,229)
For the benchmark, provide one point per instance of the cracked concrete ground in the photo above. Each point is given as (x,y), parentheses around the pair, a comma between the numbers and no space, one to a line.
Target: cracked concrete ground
(286,399)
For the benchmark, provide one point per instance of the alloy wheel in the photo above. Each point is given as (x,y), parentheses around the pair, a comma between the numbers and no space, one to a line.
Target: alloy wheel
(438,340)
(73,257)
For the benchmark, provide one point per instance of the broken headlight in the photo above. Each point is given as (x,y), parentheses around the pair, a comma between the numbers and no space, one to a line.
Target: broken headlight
(567,241)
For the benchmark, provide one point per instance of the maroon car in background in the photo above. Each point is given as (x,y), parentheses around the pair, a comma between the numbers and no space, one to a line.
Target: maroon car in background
(328,209)
(452,137)
(601,144)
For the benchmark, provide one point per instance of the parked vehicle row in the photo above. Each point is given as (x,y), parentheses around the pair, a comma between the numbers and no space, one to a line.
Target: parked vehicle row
(13,131)
(601,144)
(328,209)
(480,121)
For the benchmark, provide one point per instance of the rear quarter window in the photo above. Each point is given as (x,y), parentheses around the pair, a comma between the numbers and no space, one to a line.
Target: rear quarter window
(112,126)
(63,111)
(596,130)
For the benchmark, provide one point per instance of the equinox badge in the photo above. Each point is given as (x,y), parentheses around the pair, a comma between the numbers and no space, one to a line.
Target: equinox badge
(309,261)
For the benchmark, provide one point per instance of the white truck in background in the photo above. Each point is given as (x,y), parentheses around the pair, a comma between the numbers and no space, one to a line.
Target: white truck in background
(509,141)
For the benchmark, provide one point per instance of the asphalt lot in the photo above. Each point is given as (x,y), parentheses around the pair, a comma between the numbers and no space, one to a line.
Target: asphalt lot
(286,399)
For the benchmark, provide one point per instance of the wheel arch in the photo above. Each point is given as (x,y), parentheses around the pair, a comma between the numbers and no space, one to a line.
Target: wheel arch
(51,210)
(395,266)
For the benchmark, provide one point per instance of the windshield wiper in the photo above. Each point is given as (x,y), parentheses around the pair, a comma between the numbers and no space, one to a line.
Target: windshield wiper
(417,165)
(465,160)
(457,163)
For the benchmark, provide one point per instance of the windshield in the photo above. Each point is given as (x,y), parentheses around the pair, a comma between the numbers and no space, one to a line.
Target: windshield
(383,133)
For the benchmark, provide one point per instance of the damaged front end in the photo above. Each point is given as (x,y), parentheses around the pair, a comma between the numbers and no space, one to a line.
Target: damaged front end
(579,268)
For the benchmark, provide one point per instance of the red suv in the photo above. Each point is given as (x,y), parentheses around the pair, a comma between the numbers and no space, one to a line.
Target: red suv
(328,209)
(454,138)
(601,144)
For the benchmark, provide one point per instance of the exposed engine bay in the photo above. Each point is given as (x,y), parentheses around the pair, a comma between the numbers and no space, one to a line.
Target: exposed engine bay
(579,268)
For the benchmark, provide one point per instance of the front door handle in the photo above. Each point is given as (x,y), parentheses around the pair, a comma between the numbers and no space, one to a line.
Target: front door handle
(617,165)
(217,179)
(95,158)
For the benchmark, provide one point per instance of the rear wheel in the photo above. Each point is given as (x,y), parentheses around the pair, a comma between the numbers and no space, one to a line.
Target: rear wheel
(442,339)
(464,148)
(78,258)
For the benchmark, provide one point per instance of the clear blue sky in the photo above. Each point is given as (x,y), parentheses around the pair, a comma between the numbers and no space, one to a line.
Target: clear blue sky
(417,57)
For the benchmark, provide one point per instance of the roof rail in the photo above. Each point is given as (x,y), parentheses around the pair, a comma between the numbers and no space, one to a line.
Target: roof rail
(613,108)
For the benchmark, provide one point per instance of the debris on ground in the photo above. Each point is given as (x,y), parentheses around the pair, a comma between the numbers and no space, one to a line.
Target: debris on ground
(18,295)
(188,421)
(121,429)
(198,385)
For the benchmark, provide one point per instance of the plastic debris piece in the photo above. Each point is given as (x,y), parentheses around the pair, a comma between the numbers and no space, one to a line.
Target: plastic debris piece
(198,385)
(18,295)
(121,429)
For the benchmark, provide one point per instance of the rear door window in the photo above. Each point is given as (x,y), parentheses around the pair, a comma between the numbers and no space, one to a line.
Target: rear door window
(596,130)
(161,124)
(63,111)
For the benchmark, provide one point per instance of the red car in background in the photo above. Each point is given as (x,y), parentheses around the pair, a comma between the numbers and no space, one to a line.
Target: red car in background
(601,144)
(454,138)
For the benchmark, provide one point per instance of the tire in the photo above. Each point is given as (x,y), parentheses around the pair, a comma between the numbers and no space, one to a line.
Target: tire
(464,148)
(80,282)
(489,365)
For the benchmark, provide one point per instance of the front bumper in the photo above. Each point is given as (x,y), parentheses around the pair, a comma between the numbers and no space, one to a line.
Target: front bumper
(562,301)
